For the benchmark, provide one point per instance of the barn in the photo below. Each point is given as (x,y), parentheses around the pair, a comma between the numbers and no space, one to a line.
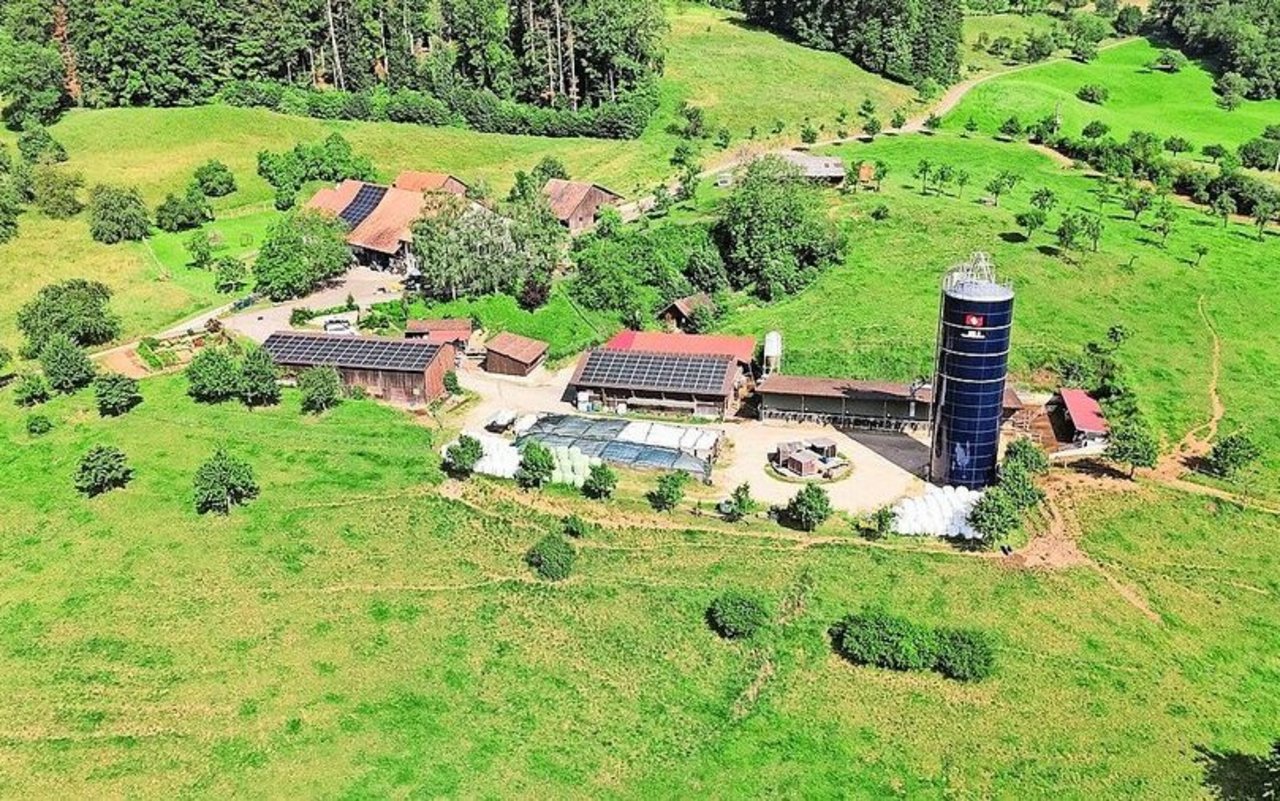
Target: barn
(455,331)
(820,169)
(512,354)
(576,203)
(676,383)
(853,404)
(397,370)
(378,219)
(678,314)
(1083,417)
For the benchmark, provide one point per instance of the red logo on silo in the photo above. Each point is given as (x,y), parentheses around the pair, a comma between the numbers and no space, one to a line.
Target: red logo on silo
(975,320)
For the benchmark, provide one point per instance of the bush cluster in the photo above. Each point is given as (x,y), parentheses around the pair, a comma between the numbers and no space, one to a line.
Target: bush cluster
(482,110)
(883,640)
(214,376)
(736,615)
(551,558)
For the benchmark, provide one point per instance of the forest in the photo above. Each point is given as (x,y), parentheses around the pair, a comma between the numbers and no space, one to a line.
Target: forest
(1241,36)
(908,40)
(467,56)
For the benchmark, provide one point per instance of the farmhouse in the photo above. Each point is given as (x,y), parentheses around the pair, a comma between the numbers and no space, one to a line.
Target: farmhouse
(682,383)
(397,370)
(454,331)
(854,404)
(427,182)
(576,203)
(512,354)
(823,169)
(378,219)
(679,313)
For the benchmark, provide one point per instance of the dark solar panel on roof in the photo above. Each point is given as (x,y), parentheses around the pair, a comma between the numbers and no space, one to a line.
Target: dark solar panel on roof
(356,353)
(657,371)
(365,201)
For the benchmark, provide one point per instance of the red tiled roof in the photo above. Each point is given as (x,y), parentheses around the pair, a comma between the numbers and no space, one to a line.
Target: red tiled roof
(796,385)
(441,324)
(514,346)
(1085,412)
(743,349)
(414,181)
(389,224)
(334,199)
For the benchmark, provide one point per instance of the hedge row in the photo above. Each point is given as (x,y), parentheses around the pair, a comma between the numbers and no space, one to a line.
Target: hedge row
(887,641)
(481,110)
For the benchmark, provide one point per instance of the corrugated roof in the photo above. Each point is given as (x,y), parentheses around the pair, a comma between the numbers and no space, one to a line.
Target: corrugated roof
(353,353)
(514,346)
(389,224)
(1085,412)
(656,372)
(414,181)
(741,348)
(815,166)
(566,196)
(796,385)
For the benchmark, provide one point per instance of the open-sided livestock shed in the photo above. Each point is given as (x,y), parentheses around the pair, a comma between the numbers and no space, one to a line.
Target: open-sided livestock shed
(701,385)
(853,404)
(397,370)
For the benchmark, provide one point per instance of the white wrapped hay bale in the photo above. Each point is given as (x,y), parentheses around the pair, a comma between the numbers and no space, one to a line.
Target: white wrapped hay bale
(940,512)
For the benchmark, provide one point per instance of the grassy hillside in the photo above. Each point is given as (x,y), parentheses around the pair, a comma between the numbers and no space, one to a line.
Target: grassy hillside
(1182,104)
(353,632)
(875,315)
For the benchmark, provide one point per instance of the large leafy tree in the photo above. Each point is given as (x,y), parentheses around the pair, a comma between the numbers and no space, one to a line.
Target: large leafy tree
(300,252)
(222,482)
(76,307)
(775,234)
(117,214)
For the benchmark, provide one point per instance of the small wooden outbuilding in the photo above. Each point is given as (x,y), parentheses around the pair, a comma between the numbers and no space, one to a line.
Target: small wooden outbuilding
(576,203)
(512,354)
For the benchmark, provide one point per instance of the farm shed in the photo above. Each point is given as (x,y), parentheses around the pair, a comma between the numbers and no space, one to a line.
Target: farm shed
(1083,415)
(397,370)
(576,203)
(378,219)
(854,404)
(679,313)
(742,349)
(662,382)
(512,354)
(413,181)
(455,331)
(825,169)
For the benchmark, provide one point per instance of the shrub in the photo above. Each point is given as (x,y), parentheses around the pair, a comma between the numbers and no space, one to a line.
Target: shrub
(536,466)
(669,491)
(117,214)
(222,482)
(1020,486)
(576,527)
(601,482)
(461,457)
(964,654)
(880,523)
(65,364)
(102,468)
(1094,93)
(116,394)
(213,376)
(32,389)
(994,515)
(214,179)
(736,615)
(38,425)
(451,384)
(1231,454)
(740,503)
(321,389)
(551,558)
(809,508)
(883,640)
(1023,451)
(229,274)
(57,191)
(880,212)
(200,248)
(37,145)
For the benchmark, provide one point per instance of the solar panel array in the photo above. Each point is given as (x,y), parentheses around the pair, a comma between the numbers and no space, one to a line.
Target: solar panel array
(657,372)
(354,353)
(363,204)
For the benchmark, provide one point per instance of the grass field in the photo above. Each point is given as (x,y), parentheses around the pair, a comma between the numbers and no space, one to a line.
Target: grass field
(740,76)
(1182,104)
(354,633)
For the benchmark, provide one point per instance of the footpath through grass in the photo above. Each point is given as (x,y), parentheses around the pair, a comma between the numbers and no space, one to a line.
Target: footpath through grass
(353,632)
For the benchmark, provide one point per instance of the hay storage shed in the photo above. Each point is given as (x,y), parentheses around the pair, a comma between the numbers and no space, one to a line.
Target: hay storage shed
(397,370)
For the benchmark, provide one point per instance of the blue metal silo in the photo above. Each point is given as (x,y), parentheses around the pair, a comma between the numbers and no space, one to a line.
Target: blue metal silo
(968,386)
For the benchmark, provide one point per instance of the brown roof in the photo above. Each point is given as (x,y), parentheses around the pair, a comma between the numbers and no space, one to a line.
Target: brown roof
(334,199)
(566,196)
(514,346)
(741,348)
(414,181)
(441,324)
(389,224)
(687,306)
(847,388)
